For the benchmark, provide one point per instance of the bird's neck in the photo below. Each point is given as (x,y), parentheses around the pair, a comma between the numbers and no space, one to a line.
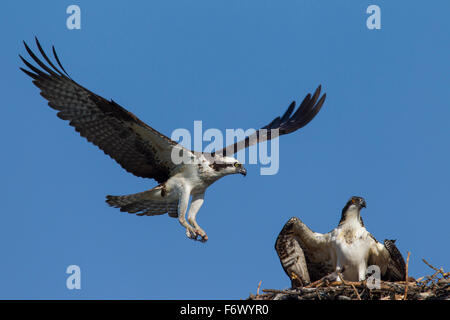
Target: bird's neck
(351,218)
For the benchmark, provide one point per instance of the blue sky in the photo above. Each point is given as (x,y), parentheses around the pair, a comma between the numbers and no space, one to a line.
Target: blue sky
(383,134)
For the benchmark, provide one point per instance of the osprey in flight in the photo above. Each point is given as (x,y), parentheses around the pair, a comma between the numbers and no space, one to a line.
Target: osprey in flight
(144,152)
(307,256)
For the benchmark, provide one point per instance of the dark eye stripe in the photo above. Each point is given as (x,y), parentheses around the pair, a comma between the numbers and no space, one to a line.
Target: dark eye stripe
(218,166)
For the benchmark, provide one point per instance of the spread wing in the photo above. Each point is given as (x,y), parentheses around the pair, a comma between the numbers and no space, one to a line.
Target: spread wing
(292,257)
(396,268)
(304,254)
(389,259)
(138,148)
(378,255)
(285,124)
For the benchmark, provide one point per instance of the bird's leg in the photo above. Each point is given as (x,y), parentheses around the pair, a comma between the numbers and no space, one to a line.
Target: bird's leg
(339,270)
(182,208)
(362,272)
(196,203)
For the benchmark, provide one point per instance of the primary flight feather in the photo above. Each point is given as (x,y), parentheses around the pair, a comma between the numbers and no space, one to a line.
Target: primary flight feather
(145,152)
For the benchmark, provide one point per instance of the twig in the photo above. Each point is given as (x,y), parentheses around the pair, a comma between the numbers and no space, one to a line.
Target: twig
(429,279)
(406,277)
(356,291)
(435,275)
(441,271)
(277,291)
(315,283)
(351,284)
(342,278)
(428,264)
(321,280)
(259,286)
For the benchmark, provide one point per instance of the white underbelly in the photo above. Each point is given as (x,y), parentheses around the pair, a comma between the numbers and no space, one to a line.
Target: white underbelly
(354,257)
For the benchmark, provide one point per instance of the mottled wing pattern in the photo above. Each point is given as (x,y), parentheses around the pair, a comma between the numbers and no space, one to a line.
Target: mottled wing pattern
(285,124)
(138,148)
(313,245)
(147,203)
(396,269)
(292,258)
(153,209)
(378,255)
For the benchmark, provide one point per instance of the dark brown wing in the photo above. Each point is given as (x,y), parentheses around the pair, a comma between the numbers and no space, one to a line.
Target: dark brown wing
(396,269)
(292,257)
(285,124)
(138,148)
(304,254)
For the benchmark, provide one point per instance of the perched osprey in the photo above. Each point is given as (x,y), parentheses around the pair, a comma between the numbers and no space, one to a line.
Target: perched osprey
(307,256)
(144,152)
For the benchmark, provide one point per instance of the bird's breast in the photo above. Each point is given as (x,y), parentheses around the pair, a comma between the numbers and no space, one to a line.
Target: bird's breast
(352,245)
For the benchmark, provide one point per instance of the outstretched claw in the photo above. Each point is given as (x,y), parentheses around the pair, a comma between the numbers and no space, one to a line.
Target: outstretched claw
(203,238)
(202,234)
(191,233)
(198,235)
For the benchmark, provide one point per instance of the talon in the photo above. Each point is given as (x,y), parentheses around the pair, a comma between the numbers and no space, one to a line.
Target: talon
(204,238)
(202,235)
(191,234)
(197,235)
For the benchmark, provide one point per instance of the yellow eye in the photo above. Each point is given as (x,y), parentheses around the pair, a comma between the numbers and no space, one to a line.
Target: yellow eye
(237,165)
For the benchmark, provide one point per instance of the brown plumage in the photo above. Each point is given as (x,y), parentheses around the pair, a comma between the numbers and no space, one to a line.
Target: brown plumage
(145,152)
(307,256)
(396,270)
(285,124)
(304,259)
(138,148)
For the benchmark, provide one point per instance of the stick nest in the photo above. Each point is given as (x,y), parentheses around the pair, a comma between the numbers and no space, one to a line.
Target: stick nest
(433,287)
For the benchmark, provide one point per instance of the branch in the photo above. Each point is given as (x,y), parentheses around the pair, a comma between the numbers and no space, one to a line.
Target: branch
(406,277)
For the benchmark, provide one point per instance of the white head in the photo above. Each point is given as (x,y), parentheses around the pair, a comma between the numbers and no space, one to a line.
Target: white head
(227,165)
(352,210)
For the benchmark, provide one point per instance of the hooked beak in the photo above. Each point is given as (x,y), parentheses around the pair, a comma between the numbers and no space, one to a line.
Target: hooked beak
(363,203)
(243,171)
